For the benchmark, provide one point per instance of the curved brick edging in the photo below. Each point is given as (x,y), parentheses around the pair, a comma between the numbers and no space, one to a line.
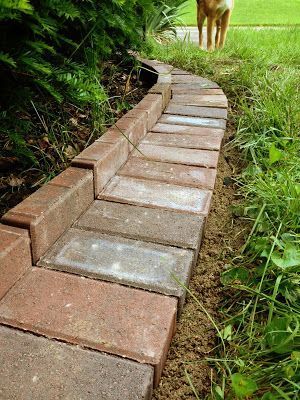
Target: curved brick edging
(152,175)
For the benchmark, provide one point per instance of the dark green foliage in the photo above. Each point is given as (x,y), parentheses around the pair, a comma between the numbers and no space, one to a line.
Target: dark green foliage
(55,49)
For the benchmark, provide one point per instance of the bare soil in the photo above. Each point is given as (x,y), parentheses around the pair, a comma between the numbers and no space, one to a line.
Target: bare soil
(195,338)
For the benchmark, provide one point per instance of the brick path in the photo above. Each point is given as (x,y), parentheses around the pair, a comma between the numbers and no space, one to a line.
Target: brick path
(90,263)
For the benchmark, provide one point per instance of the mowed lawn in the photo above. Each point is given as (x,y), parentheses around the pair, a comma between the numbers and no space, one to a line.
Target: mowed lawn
(255,12)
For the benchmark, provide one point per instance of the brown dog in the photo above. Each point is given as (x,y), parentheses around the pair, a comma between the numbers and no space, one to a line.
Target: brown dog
(217,13)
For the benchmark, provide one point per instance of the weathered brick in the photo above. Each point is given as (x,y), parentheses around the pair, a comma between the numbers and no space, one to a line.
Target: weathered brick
(134,123)
(201,158)
(201,131)
(177,174)
(66,196)
(153,105)
(104,159)
(104,316)
(113,135)
(165,90)
(36,368)
(177,71)
(193,121)
(156,194)
(15,256)
(201,100)
(149,224)
(196,111)
(115,259)
(184,141)
(193,79)
(164,78)
(203,84)
(190,90)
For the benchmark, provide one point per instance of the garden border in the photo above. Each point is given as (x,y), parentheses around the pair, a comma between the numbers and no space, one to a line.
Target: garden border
(31,228)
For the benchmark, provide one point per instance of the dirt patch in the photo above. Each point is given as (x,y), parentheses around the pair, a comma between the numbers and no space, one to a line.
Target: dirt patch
(195,338)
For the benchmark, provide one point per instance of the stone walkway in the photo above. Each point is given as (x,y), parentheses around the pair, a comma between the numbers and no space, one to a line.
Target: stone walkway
(91,263)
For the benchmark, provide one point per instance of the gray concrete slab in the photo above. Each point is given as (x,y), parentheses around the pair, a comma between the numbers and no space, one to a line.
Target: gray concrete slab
(36,368)
(115,259)
(148,224)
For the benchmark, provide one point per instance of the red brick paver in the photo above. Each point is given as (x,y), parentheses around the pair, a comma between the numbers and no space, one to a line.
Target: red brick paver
(15,256)
(127,322)
(179,174)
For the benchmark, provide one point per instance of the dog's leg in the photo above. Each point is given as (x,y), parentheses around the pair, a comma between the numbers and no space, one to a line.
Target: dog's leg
(224,27)
(218,32)
(200,19)
(210,29)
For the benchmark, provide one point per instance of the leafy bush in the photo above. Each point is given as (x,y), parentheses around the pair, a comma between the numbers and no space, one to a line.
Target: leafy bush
(55,48)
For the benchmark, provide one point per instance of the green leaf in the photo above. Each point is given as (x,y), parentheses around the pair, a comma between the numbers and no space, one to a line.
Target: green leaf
(226,333)
(274,154)
(242,385)
(218,392)
(289,258)
(268,396)
(295,356)
(235,275)
(280,335)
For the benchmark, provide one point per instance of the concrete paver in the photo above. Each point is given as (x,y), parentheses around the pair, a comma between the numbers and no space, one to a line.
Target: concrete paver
(177,155)
(104,316)
(193,121)
(15,256)
(156,194)
(115,259)
(196,111)
(35,368)
(201,100)
(184,141)
(148,224)
(178,174)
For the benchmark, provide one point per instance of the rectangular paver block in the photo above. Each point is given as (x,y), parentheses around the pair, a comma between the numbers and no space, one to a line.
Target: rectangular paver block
(177,174)
(204,84)
(176,155)
(201,100)
(191,90)
(148,224)
(115,259)
(133,125)
(153,104)
(36,368)
(196,111)
(193,121)
(202,131)
(15,256)
(157,194)
(192,79)
(128,322)
(52,209)
(165,90)
(104,159)
(185,141)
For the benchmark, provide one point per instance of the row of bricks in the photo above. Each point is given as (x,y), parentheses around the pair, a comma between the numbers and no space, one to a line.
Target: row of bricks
(38,282)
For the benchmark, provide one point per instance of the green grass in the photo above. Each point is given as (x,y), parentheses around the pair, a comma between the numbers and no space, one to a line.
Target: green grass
(255,12)
(259,71)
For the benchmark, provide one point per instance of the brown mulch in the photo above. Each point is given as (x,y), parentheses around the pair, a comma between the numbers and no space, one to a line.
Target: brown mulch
(62,131)
(195,338)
